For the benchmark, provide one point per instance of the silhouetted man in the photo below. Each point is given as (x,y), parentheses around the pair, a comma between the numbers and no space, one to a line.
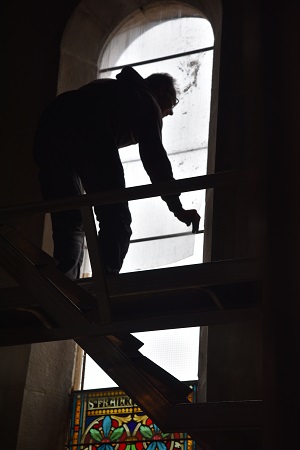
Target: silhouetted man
(76,149)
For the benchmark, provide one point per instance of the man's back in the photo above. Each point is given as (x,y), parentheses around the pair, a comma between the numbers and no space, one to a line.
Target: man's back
(124,107)
(77,145)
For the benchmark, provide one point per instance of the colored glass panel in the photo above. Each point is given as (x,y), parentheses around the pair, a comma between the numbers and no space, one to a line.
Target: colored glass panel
(107,419)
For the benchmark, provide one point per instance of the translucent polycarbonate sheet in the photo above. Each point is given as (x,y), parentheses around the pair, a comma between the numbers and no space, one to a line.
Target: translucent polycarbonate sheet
(185,164)
(176,351)
(195,258)
(180,351)
(188,128)
(94,376)
(185,134)
(166,252)
(185,137)
(156,39)
(151,217)
(156,253)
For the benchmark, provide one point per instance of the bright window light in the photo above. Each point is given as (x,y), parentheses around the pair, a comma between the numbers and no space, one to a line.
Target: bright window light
(176,351)
(185,137)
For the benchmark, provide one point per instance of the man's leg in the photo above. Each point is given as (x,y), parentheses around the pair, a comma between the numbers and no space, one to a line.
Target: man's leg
(68,238)
(100,170)
(114,234)
(68,234)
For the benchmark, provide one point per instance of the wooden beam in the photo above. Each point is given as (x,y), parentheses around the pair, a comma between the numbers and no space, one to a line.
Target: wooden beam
(133,193)
(219,416)
(16,336)
(176,278)
(52,299)
(130,378)
(100,287)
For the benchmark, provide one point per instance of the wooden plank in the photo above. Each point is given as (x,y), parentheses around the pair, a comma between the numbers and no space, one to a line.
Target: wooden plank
(45,264)
(16,297)
(180,278)
(53,300)
(174,306)
(215,416)
(126,375)
(15,336)
(34,254)
(133,193)
(172,389)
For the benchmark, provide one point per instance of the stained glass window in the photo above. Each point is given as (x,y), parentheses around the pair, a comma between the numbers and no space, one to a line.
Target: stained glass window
(107,419)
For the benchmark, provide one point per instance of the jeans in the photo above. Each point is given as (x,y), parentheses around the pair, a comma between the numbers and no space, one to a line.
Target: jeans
(71,161)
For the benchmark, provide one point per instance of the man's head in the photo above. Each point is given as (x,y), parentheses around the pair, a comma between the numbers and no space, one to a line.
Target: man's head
(163,87)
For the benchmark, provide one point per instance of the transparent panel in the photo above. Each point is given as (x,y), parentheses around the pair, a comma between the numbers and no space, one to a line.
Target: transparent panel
(167,252)
(152,254)
(152,217)
(167,348)
(179,350)
(188,128)
(143,42)
(185,134)
(185,137)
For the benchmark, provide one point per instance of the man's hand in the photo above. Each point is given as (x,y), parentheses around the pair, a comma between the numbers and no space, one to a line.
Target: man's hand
(189,216)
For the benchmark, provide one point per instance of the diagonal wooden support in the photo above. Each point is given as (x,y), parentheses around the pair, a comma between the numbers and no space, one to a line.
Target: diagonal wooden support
(157,401)
(36,280)
(133,193)
(180,297)
(169,386)
(44,264)
(149,385)
(96,263)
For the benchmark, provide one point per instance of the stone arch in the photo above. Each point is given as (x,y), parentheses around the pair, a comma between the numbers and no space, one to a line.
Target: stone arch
(93,23)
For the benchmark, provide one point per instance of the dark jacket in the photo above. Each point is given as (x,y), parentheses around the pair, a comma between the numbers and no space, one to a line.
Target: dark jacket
(126,109)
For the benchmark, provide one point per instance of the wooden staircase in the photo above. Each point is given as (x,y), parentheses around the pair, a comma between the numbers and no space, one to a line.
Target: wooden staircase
(100,313)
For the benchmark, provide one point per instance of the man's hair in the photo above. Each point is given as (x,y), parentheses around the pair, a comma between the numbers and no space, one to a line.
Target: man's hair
(158,80)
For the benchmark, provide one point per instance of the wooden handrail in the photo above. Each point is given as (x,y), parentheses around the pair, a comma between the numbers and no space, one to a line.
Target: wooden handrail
(133,193)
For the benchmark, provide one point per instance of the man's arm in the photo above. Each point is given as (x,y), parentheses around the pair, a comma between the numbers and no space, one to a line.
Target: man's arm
(189,217)
(157,165)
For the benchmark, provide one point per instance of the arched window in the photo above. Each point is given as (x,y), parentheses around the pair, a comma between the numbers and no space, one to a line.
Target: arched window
(182,46)
(162,40)
(98,38)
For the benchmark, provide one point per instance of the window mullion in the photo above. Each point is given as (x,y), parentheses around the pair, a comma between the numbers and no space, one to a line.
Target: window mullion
(163,58)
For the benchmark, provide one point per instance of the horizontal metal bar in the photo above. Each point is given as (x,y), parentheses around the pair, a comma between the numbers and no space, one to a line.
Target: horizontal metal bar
(154,60)
(170,153)
(165,236)
(133,193)
(157,238)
